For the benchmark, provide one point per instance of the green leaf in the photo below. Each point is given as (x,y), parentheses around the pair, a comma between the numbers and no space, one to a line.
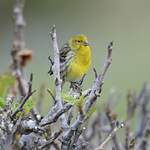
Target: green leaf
(28,105)
(6,81)
(14,105)
(69,99)
(2,102)
(73,101)
(79,102)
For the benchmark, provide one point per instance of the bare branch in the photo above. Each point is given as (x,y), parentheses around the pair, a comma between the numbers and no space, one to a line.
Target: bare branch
(57,79)
(47,143)
(18,44)
(112,117)
(131,106)
(109,137)
(95,72)
(51,94)
(30,92)
(52,117)
(142,101)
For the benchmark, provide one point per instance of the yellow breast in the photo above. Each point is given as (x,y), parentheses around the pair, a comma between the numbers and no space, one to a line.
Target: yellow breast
(80,64)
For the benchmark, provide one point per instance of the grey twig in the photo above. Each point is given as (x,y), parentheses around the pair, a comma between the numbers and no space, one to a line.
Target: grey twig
(57,79)
(53,116)
(18,44)
(112,117)
(95,72)
(142,101)
(30,92)
(51,94)
(51,140)
(76,137)
(109,137)
(16,127)
(69,116)
(131,106)
(90,135)
(144,143)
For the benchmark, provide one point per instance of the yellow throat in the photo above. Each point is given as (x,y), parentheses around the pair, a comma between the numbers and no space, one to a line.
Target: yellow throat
(80,63)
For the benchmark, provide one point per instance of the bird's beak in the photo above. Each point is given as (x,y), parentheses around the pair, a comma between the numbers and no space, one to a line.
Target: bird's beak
(85,43)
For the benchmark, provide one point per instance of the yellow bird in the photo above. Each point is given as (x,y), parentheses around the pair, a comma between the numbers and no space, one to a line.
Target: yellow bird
(75,58)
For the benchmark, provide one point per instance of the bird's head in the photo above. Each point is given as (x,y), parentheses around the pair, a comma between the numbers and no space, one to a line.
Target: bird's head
(78,41)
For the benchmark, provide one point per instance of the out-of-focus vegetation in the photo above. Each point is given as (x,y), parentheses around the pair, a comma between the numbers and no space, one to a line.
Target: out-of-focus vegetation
(6,81)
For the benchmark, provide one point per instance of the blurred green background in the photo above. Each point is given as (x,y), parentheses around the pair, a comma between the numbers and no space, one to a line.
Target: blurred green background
(126,22)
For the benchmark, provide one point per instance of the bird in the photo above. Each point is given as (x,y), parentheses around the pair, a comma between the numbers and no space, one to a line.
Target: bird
(75,59)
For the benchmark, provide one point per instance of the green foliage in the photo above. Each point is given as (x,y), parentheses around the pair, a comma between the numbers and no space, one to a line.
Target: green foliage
(6,81)
(2,102)
(14,105)
(79,101)
(73,101)
(68,99)
(27,106)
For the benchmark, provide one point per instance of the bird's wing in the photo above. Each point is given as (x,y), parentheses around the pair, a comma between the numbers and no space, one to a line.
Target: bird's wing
(66,56)
(63,51)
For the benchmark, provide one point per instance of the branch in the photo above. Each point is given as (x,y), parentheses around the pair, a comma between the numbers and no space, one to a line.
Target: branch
(51,94)
(109,137)
(76,137)
(51,140)
(96,122)
(15,128)
(18,44)
(131,107)
(56,72)
(112,117)
(54,115)
(142,101)
(144,143)
(24,100)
